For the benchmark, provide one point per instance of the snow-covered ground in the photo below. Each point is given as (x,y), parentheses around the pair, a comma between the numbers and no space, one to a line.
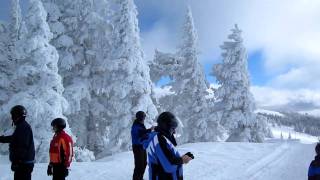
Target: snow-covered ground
(273,160)
(303,138)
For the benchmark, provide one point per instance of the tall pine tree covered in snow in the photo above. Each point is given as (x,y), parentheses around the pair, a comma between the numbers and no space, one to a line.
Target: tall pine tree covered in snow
(129,81)
(189,101)
(234,95)
(105,77)
(9,35)
(70,22)
(36,82)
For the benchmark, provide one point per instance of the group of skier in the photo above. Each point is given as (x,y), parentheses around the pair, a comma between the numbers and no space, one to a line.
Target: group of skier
(22,150)
(157,146)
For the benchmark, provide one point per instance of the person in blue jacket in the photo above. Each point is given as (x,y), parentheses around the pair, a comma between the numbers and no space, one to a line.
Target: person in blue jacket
(164,161)
(138,133)
(314,168)
(21,145)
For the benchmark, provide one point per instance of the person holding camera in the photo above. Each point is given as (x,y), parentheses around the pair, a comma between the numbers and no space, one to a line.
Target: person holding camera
(138,133)
(164,161)
(21,145)
(61,151)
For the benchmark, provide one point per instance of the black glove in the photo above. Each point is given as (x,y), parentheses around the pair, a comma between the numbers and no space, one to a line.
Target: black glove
(190,155)
(14,166)
(49,170)
(66,172)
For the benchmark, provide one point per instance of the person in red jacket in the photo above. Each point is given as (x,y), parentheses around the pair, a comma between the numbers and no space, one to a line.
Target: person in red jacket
(61,151)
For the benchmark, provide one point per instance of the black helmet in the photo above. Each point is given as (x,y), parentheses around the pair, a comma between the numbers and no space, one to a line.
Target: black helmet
(318,148)
(140,115)
(18,111)
(167,122)
(59,123)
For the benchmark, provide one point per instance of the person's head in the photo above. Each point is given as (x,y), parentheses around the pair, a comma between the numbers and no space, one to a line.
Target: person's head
(58,124)
(140,116)
(18,113)
(167,122)
(318,148)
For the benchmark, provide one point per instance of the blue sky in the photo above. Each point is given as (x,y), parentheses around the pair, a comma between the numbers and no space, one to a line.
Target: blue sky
(282,40)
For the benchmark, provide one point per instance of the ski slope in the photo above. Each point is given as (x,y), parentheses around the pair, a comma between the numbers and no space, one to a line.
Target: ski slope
(279,160)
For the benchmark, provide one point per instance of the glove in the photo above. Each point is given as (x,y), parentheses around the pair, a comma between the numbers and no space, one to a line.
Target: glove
(14,167)
(1,138)
(49,170)
(190,155)
(66,172)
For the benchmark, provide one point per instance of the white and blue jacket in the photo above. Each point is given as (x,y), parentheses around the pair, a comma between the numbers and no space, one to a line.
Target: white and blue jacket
(164,161)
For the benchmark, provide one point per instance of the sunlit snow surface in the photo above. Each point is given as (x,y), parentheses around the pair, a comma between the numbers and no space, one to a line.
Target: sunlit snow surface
(273,160)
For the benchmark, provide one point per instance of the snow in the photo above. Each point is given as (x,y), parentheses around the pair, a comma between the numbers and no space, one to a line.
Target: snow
(275,159)
(160,92)
(264,111)
(303,138)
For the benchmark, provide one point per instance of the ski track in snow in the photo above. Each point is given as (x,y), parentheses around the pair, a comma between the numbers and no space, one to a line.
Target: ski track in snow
(289,162)
(213,161)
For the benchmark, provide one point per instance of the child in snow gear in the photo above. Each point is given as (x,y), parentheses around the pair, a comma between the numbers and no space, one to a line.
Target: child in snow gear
(314,169)
(21,145)
(138,134)
(164,161)
(61,151)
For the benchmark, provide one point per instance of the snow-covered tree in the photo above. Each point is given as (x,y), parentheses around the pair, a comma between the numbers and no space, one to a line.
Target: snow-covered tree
(189,85)
(9,35)
(16,19)
(129,84)
(36,82)
(6,72)
(68,22)
(234,92)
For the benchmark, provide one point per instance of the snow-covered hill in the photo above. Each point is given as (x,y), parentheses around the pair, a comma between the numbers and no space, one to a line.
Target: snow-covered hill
(273,160)
(269,112)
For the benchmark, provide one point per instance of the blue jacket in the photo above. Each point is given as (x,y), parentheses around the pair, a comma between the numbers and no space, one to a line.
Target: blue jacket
(138,133)
(21,145)
(164,161)
(314,169)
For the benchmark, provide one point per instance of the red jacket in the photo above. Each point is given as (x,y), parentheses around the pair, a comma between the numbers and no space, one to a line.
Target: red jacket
(61,149)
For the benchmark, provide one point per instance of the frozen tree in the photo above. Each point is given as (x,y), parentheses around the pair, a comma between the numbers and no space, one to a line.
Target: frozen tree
(16,19)
(234,92)
(163,64)
(190,88)
(129,84)
(6,72)
(9,35)
(36,82)
(68,20)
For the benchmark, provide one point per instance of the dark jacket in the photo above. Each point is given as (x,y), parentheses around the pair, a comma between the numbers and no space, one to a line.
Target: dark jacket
(138,133)
(21,145)
(165,162)
(314,169)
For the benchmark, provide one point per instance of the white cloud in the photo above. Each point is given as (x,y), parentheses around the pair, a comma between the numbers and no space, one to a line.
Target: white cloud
(280,99)
(288,33)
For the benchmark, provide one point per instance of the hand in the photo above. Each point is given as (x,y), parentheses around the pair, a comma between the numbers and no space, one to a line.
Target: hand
(49,170)
(186,159)
(66,172)
(190,155)
(14,167)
